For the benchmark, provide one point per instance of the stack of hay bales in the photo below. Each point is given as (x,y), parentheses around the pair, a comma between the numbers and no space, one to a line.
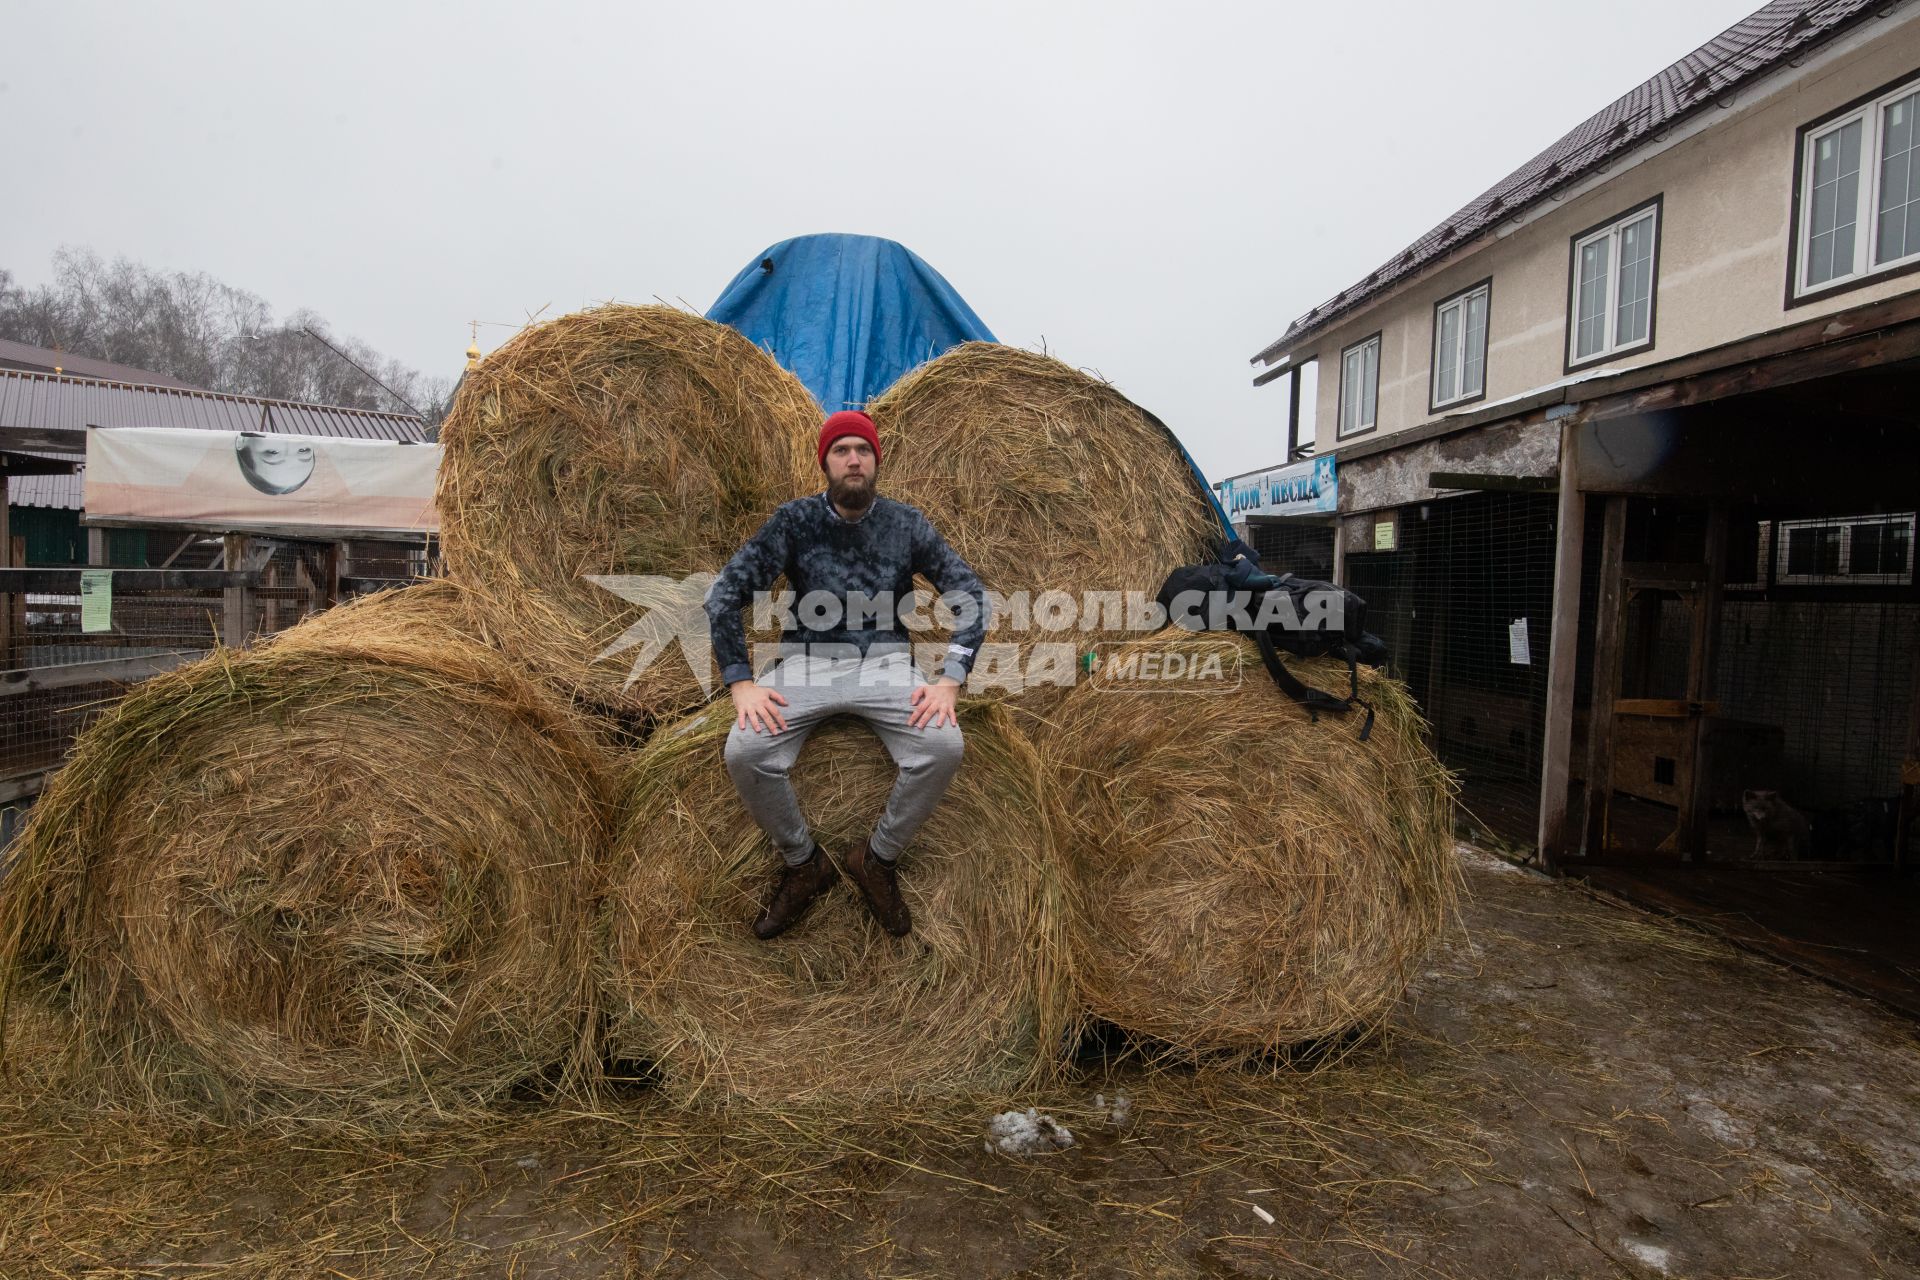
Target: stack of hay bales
(388,862)
(348,872)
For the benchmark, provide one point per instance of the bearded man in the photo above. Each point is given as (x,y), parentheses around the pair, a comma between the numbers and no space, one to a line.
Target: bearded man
(849,555)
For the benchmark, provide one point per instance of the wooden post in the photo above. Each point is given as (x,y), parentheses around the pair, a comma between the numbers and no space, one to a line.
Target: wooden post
(1606,677)
(17,604)
(270,606)
(1339,552)
(1696,780)
(238,614)
(1909,813)
(1293,412)
(1563,641)
(330,581)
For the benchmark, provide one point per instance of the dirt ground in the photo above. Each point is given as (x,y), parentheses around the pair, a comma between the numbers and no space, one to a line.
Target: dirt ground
(1575,1089)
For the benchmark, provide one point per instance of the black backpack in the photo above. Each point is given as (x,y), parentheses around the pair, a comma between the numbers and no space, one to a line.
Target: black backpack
(1307,618)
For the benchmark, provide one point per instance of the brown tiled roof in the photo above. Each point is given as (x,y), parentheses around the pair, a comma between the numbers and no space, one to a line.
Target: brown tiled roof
(44,400)
(1749,48)
(21,355)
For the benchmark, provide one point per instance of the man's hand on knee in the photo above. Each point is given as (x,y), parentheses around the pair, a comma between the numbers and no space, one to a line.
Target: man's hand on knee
(757,707)
(933,703)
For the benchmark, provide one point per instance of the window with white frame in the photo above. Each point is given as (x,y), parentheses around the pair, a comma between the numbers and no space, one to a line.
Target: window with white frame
(1836,551)
(1359,386)
(1853,549)
(1613,283)
(1860,192)
(1460,346)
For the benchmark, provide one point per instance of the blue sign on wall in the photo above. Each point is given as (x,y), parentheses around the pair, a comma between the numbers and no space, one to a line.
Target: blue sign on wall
(1302,488)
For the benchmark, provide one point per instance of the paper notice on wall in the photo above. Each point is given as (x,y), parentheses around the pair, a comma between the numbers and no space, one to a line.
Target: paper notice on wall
(96,600)
(1517,649)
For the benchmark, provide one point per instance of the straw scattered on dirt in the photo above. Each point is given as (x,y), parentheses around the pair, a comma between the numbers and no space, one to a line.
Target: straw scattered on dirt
(1577,1091)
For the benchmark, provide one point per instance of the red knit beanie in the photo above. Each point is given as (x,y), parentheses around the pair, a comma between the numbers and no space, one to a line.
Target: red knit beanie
(848,422)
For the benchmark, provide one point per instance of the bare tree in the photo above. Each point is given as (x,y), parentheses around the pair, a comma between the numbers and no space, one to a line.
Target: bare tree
(195,328)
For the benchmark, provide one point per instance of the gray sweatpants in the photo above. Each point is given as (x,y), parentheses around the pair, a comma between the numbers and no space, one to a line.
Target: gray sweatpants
(875,688)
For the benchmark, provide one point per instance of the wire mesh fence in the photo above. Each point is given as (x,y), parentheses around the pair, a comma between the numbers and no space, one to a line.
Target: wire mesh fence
(1461,590)
(1810,704)
(1294,545)
(66,657)
(371,565)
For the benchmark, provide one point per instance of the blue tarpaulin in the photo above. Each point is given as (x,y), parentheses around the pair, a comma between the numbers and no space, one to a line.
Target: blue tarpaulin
(847,314)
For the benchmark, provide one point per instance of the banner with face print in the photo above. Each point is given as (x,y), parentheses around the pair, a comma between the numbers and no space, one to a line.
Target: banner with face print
(244,481)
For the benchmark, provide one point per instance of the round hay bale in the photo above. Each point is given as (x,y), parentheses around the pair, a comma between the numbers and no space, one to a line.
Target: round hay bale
(619,441)
(1044,479)
(973,998)
(1241,878)
(347,873)
(399,624)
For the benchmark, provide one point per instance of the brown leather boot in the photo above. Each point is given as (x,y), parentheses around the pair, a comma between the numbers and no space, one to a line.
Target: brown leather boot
(879,883)
(794,892)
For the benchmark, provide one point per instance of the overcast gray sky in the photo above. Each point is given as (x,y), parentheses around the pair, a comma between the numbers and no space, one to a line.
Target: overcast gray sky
(1154,189)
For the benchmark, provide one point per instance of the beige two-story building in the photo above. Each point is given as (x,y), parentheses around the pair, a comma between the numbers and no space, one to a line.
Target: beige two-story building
(1636,429)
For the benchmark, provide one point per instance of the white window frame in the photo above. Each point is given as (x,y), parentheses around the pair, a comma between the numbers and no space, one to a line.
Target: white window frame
(1458,302)
(1610,232)
(1355,395)
(1846,576)
(1867,203)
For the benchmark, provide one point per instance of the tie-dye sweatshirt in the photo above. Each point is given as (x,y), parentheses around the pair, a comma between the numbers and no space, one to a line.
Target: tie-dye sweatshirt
(872,559)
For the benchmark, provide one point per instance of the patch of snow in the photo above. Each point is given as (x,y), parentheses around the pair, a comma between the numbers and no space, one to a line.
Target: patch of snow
(1026,1133)
(1480,859)
(1653,1255)
(1717,1122)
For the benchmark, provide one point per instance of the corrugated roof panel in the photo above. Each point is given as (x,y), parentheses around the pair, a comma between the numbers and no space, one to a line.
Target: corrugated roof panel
(44,359)
(61,493)
(42,400)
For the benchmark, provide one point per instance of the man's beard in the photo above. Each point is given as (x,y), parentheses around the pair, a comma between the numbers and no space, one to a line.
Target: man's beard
(853,497)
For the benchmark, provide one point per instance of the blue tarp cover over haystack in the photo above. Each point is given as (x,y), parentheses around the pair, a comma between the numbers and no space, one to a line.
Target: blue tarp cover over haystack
(847,315)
